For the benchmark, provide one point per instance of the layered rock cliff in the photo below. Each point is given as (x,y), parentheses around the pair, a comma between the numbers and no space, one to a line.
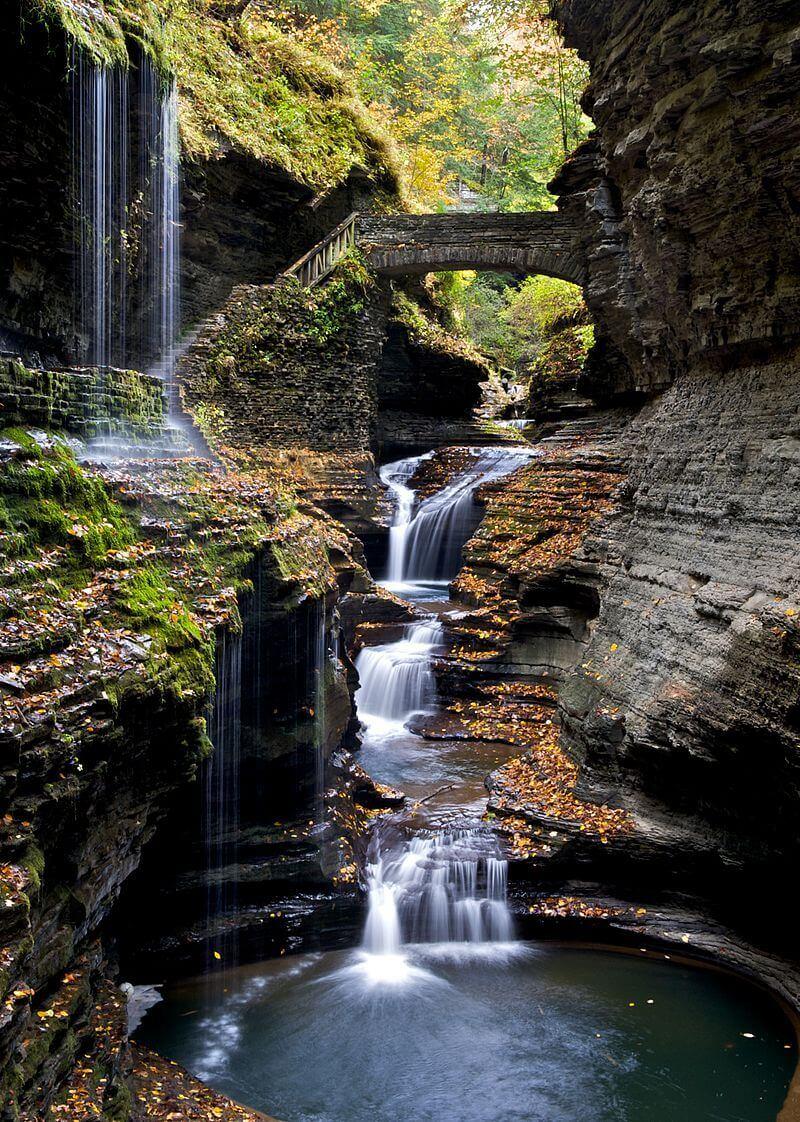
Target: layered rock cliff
(684,707)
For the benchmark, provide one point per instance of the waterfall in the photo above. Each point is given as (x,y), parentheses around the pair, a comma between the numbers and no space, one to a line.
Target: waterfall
(159,162)
(100,186)
(319,667)
(221,795)
(438,887)
(126,187)
(426,542)
(397,679)
(396,477)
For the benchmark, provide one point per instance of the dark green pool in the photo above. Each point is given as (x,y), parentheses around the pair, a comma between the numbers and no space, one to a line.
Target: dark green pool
(506,1033)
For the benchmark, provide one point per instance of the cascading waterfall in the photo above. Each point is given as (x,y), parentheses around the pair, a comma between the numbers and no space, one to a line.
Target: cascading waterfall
(396,477)
(443,887)
(426,543)
(127,210)
(397,679)
(221,794)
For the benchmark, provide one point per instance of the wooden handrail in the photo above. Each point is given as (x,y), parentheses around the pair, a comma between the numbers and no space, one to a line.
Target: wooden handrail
(322,258)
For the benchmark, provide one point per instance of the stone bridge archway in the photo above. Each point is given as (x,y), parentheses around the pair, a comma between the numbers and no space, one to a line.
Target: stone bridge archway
(543,242)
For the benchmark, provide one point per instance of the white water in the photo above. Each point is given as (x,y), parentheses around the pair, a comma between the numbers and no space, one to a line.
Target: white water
(426,540)
(444,891)
(160,156)
(100,174)
(397,679)
(446,888)
(126,184)
(222,791)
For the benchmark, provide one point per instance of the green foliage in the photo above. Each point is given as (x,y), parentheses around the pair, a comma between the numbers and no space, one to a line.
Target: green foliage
(558,364)
(48,500)
(269,96)
(538,329)
(474,303)
(482,92)
(104,30)
(426,329)
(545,304)
(239,77)
(336,303)
(258,331)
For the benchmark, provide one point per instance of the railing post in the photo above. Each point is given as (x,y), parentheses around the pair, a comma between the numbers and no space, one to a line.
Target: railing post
(315,265)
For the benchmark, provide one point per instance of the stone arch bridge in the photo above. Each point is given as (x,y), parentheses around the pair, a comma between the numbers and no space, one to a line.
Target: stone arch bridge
(544,242)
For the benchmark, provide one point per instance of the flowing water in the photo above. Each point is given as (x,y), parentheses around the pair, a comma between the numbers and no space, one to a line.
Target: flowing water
(427,538)
(440,1013)
(100,185)
(221,794)
(438,887)
(126,186)
(397,678)
(160,171)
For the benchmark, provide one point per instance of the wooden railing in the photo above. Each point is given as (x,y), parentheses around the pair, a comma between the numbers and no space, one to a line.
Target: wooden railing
(315,265)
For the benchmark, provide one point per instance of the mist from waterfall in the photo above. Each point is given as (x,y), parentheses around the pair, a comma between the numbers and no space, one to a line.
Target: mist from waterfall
(126,188)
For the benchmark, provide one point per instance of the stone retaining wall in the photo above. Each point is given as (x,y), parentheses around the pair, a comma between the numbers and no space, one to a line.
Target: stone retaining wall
(84,402)
(259,372)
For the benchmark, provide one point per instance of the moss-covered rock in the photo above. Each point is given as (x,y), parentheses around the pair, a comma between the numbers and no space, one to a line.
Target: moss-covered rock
(239,78)
(84,402)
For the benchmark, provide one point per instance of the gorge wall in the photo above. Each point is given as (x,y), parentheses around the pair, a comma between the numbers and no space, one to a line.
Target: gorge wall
(684,708)
(119,581)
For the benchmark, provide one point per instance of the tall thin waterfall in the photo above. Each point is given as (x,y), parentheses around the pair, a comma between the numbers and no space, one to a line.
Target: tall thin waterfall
(438,887)
(319,667)
(100,184)
(221,792)
(160,177)
(126,184)
(425,544)
(397,679)
(396,477)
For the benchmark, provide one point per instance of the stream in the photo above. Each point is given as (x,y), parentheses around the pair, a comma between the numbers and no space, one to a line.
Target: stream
(442,1013)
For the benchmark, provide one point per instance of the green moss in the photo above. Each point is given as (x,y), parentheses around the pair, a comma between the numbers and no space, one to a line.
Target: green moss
(104,29)
(21,438)
(33,862)
(181,657)
(270,97)
(46,499)
(152,604)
